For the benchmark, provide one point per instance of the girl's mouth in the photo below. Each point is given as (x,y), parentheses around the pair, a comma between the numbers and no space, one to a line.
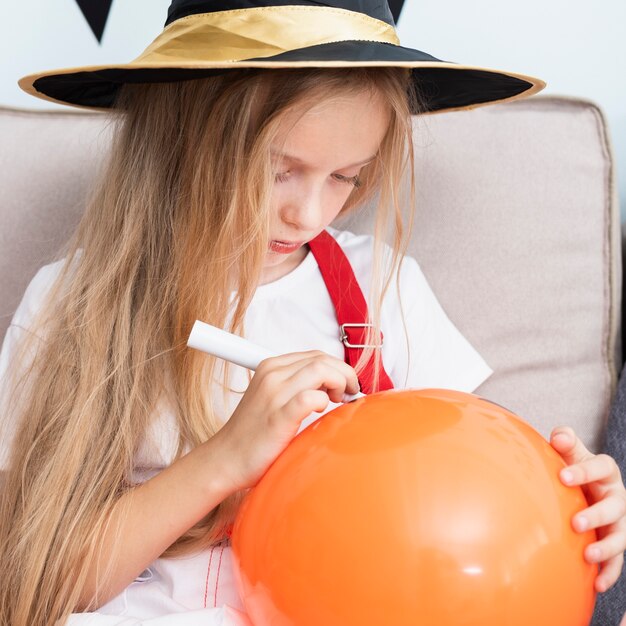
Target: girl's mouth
(284,247)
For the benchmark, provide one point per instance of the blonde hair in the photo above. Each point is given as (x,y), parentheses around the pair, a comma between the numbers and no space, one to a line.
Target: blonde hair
(178,218)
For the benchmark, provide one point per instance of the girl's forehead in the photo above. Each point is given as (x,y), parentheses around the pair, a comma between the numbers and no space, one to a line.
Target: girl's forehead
(319,104)
(347,130)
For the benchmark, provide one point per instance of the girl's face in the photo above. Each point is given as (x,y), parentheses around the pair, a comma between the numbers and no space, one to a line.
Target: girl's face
(317,158)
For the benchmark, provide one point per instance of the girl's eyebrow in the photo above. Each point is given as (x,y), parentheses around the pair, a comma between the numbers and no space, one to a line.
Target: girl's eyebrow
(293,159)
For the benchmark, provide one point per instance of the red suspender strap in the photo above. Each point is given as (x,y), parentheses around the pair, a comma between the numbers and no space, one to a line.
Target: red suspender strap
(350,307)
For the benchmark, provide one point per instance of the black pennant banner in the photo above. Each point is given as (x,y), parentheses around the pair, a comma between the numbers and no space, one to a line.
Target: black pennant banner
(96,13)
(396,9)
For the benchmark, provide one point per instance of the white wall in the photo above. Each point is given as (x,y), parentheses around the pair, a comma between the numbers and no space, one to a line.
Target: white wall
(577,47)
(49,34)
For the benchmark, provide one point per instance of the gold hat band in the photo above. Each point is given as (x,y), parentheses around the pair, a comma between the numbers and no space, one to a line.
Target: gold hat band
(260,32)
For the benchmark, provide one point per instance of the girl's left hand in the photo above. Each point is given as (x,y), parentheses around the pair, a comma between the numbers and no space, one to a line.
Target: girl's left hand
(601,481)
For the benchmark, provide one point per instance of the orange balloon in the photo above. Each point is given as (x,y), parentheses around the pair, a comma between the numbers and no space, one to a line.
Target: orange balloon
(420,508)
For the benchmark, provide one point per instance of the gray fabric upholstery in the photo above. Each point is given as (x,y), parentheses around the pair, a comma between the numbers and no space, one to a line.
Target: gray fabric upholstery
(517,231)
(611,605)
(47,162)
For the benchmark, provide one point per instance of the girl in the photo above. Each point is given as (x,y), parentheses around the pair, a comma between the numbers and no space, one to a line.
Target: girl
(126,453)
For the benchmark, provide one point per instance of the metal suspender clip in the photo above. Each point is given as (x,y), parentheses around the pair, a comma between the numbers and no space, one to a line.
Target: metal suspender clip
(344,336)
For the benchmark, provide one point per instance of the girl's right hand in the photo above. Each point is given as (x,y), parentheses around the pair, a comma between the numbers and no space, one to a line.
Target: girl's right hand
(283,391)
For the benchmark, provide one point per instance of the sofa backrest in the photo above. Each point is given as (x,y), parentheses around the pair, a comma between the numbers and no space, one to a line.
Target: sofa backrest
(517,231)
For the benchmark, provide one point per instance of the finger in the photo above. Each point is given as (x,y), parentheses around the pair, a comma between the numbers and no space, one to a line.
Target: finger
(609,574)
(606,549)
(347,371)
(568,445)
(281,360)
(279,384)
(306,402)
(609,510)
(308,357)
(318,374)
(274,371)
(321,359)
(600,468)
(348,374)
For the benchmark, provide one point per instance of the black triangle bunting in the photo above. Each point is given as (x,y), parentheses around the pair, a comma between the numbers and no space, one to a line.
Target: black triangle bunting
(396,9)
(96,13)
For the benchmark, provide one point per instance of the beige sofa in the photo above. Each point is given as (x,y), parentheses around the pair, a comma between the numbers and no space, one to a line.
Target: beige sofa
(517,231)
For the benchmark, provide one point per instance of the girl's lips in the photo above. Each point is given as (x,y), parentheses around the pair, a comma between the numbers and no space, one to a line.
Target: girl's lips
(284,247)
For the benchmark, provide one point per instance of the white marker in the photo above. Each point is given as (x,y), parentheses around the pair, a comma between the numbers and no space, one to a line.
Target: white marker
(233,348)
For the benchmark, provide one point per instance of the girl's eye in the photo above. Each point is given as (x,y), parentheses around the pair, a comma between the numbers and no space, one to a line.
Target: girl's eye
(352,180)
(355,181)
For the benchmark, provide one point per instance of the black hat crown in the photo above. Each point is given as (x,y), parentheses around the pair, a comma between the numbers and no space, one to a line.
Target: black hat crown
(378,9)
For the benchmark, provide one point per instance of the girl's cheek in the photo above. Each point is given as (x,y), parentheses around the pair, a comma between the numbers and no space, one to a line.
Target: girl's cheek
(341,192)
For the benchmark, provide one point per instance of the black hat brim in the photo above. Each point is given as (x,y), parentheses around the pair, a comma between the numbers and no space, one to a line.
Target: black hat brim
(440,84)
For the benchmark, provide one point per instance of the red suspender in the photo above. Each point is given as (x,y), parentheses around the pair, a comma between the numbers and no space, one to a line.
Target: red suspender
(350,307)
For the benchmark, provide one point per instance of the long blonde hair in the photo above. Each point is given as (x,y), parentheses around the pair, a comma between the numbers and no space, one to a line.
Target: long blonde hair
(179,213)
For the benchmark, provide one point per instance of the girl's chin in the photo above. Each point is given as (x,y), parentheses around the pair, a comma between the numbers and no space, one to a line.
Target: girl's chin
(278,258)
(279,264)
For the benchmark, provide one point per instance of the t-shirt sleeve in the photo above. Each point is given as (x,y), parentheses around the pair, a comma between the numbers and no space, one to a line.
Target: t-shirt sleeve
(432,352)
(10,369)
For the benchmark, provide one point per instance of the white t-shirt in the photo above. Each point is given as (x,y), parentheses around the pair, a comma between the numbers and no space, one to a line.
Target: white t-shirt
(293,313)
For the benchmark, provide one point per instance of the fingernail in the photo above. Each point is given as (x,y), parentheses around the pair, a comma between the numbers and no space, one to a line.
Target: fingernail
(583,523)
(567,476)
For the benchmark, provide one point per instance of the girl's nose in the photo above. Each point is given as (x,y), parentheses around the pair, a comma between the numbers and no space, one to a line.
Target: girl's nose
(304,211)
